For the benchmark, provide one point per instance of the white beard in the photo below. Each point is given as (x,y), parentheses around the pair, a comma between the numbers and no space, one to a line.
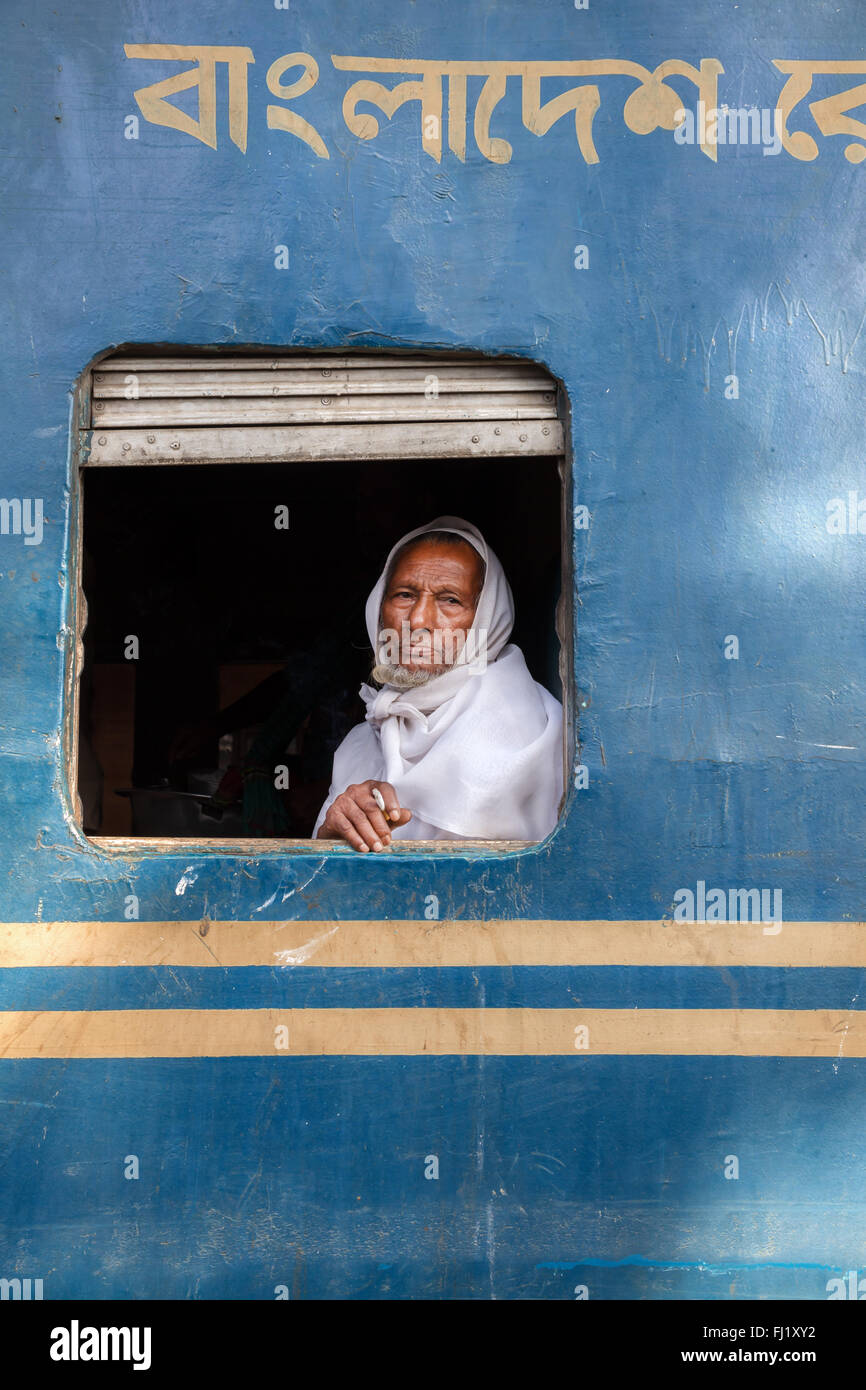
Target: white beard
(404,677)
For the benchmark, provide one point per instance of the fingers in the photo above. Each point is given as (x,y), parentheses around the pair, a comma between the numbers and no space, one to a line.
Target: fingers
(360,821)
(392,803)
(364,798)
(371,821)
(345,829)
(356,817)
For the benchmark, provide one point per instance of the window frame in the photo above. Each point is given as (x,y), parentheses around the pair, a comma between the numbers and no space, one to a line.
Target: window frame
(141,847)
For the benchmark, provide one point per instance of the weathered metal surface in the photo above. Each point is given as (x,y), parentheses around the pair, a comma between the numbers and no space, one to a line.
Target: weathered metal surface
(264,443)
(703,308)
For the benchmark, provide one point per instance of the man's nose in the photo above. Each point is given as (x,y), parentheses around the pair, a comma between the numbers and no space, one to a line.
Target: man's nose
(423,614)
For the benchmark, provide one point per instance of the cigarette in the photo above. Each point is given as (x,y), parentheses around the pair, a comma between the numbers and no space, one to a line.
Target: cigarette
(380,802)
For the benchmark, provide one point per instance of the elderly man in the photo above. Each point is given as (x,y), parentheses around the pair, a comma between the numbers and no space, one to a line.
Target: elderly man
(459,742)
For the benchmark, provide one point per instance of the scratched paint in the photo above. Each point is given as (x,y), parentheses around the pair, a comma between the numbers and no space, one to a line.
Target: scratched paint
(707,519)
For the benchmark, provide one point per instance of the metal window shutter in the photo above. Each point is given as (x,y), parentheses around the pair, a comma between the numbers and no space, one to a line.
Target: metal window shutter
(214,409)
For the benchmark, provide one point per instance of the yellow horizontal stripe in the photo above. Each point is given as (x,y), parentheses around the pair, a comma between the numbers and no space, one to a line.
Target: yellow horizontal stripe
(422,943)
(436,1032)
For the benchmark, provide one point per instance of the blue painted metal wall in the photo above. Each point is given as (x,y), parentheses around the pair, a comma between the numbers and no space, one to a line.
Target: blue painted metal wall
(708,519)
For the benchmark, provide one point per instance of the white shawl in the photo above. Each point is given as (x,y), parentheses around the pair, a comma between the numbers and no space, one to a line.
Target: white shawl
(475,753)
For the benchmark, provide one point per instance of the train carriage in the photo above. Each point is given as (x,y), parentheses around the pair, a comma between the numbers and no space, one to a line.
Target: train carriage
(281,284)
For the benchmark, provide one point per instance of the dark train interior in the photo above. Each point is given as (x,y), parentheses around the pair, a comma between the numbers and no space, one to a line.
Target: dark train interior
(220,645)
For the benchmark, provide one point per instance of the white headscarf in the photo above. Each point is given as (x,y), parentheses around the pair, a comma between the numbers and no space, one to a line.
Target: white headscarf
(475,753)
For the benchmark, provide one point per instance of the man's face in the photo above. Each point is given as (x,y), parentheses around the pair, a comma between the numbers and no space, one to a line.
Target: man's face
(434,588)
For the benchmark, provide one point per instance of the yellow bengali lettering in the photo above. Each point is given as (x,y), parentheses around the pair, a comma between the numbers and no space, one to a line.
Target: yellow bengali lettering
(278,117)
(152,100)
(828,113)
(652,105)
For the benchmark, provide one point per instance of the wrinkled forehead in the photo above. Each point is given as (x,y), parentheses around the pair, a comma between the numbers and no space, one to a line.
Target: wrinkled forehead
(452,548)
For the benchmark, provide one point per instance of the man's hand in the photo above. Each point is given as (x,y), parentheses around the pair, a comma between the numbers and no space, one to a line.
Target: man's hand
(355,817)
